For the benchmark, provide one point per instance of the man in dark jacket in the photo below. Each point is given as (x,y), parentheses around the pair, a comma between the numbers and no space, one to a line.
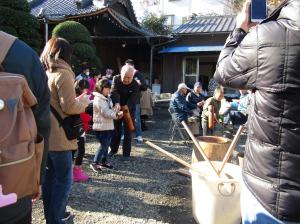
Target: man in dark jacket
(21,59)
(179,107)
(139,77)
(124,91)
(266,60)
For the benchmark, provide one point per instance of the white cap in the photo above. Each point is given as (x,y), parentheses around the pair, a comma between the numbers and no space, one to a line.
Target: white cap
(182,86)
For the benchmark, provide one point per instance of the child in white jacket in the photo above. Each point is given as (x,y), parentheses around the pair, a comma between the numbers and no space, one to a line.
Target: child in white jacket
(103,115)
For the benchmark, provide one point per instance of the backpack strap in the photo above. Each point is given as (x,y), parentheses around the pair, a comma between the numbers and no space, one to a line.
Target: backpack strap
(6,41)
(56,115)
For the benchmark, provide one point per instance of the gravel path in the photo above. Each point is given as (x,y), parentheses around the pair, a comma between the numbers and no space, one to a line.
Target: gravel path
(142,189)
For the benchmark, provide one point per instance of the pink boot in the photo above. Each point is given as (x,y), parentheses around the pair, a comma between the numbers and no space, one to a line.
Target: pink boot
(79,175)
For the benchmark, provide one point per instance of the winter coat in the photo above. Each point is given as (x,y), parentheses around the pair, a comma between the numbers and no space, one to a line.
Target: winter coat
(92,85)
(267,61)
(61,85)
(103,114)
(180,107)
(139,76)
(193,98)
(146,103)
(86,118)
(125,94)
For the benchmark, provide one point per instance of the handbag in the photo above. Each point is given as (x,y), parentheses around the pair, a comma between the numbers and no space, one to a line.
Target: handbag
(72,125)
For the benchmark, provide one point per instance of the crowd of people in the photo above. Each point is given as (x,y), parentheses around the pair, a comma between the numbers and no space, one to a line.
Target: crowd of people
(262,59)
(70,105)
(186,103)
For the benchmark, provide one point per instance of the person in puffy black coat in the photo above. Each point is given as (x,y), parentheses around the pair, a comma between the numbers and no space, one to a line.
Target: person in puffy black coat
(266,60)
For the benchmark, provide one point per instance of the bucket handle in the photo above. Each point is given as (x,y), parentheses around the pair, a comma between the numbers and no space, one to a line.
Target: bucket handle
(233,187)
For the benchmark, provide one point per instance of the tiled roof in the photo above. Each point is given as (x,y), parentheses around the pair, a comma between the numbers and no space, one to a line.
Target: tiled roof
(59,9)
(131,26)
(207,24)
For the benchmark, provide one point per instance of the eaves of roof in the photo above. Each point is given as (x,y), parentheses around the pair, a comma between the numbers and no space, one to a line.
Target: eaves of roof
(60,10)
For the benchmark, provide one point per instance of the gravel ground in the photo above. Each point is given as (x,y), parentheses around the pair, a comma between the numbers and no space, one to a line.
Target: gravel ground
(143,189)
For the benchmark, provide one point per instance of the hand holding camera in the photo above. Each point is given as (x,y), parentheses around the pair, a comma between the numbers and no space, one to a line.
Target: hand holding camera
(253,12)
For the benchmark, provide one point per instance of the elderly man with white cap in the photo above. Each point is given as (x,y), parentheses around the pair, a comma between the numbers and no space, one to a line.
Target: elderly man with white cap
(178,104)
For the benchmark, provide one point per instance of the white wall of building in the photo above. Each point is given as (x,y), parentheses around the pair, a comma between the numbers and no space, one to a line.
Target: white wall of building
(178,9)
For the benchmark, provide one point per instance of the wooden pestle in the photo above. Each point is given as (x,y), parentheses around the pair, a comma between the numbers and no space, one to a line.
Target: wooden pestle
(127,118)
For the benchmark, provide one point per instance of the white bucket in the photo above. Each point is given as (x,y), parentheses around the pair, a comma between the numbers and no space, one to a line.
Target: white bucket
(216,200)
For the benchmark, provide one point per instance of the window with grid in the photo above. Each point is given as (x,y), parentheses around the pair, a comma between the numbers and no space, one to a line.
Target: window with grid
(190,70)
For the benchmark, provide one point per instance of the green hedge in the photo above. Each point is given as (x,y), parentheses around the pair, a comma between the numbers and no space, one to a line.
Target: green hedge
(84,53)
(15,18)
(21,5)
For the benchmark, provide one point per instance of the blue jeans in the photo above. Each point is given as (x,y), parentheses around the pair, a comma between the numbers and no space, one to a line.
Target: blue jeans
(253,212)
(138,125)
(104,138)
(57,185)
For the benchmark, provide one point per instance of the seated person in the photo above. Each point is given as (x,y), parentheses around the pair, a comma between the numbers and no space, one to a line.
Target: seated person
(212,105)
(237,110)
(196,97)
(179,107)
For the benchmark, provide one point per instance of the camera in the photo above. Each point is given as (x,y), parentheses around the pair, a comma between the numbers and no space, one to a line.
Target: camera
(258,10)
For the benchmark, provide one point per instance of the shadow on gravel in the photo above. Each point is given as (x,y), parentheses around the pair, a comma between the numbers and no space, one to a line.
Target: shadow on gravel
(168,194)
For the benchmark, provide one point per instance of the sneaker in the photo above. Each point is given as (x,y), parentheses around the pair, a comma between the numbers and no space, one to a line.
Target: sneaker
(139,139)
(95,167)
(67,216)
(106,165)
(79,175)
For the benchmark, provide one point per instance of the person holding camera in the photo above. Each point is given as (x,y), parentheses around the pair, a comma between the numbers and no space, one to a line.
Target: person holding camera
(56,58)
(266,60)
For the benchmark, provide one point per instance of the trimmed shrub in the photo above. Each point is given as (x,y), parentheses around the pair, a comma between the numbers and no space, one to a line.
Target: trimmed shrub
(15,18)
(84,54)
